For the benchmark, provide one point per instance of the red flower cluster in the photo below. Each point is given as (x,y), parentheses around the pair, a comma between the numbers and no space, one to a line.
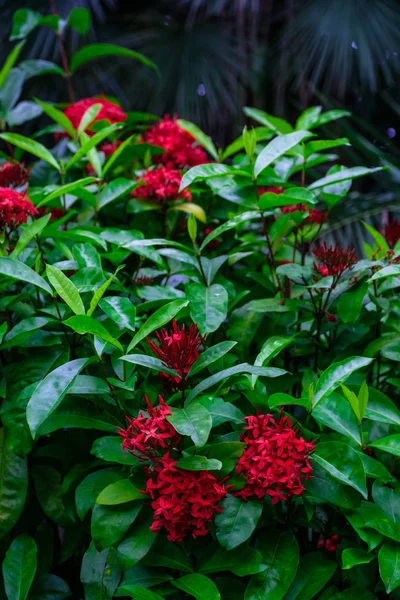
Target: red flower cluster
(15,207)
(335,261)
(315,216)
(391,233)
(179,349)
(109,111)
(184,502)
(148,435)
(330,544)
(180,146)
(272,190)
(161,185)
(110,147)
(275,459)
(13,175)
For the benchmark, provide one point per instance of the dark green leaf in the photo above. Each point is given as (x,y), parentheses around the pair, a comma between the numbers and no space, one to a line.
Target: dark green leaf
(237,521)
(313,574)
(83,324)
(208,305)
(13,485)
(119,492)
(134,547)
(31,146)
(94,51)
(17,270)
(19,567)
(389,565)
(197,585)
(355,556)
(343,463)
(193,420)
(116,189)
(92,572)
(157,320)
(336,374)
(110,523)
(109,448)
(210,355)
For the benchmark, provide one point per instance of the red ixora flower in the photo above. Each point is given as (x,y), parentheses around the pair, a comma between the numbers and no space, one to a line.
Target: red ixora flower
(109,111)
(330,544)
(275,459)
(391,233)
(148,435)
(178,349)
(181,149)
(273,190)
(315,216)
(335,261)
(13,174)
(184,502)
(15,207)
(162,185)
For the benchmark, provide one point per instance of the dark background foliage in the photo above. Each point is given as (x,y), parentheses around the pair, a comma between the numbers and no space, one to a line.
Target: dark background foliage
(216,56)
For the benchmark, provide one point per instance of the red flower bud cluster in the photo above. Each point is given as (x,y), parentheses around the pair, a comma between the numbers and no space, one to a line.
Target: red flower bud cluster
(275,459)
(15,207)
(184,502)
(181,149)
(391,233)
(161,185)
(178,350)
(330,544)
(315,216)
(335,261)
(109,111)
(13,175)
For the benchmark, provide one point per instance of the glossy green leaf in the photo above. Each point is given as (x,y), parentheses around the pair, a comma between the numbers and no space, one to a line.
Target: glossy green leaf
(198,463)
(271,348)
(83,325)
(13,55)
(389,565)
(157,320)
(139,593)
(92,572)
(79,19)
(119,492)
(95,51)
(335,412)
(30,146)
(68,188)
(350,304)
(208,171)
(136,545)
(389,443)
(231,224)
(29,233)
(58,116)
(380,408)
(109,448)
(99,293)
(277,148)
(336,374)
(242,561)
(352,557)
(208,305)
(51,391)
(92,142)
(17,270)
(149,361)
(197,585)
(19,567)
(66,289)
(344,175)
(210,355)
(120,310)
(13,484)
(237,521)
(274,123)
(343,463)
(313,574)
(199,135)
(193,420)
(115,190)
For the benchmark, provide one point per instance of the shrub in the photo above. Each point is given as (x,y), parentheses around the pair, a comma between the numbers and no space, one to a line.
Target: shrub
(199,391)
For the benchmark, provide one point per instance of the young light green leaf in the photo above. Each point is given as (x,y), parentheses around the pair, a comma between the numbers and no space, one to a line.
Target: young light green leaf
(337,374)
(91,143)
(119,492)
(84,324)
(210,355)
(97,296)
(31,146)
(273,123)
(65,289)
(17,270)
(277,148)
(237,521)
(11,59)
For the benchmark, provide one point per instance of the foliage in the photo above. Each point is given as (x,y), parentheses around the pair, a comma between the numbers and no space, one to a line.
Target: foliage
(198,397)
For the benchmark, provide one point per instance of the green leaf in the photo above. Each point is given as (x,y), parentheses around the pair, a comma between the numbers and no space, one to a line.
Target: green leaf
(335,412)
(172,556)
(92,572)
(380,408)
(116,189)
(47,586)
(149,361)
(31,146)
(51,391)
(11,59)
(139,593)
(389,565)
(389,443)
(65,289)
(290,196)
(210,355)
(343,463)
(68,188)
(197,585)
(13,485)
(193,420)
(308,118)
(282,399)
(190,208)
(277,148)
(24,21)
(91,142)
(390,271)
(337,374)
(313,574)
(79,19)
(160,318)
(319,145)
(208,171)
(34,67)
(134,547)
(280,551)
(83,324)
(274,123)
(332,115)
(208,305)
(23,112)
(110,523)
(242,368)
(199,463)
(29,233)
(237,521)
(242,561)
(355,556)
(330,490)
(271,348)
(58,116)
(350,304)
(94,51)
(17,270)
(119,492)
(19,567)
(344,175)
(375,469)
(231,224)
(109,448)
(199,135)
(97,296)
(120,310)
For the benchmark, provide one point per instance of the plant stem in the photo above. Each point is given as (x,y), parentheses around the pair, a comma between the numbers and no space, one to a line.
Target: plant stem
(198,258)
(64,58)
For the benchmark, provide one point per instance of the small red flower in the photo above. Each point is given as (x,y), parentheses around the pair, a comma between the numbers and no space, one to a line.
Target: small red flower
(181,149)
(291,208)
(161,185)
(330,544)
(179,348)
(391,233)
(272,190)
(214,243)
(330,318)
(109,111)
(335,261)
(184,502)
(110,147)
(315,216)
(275,459)
(13,174)
(15,207)
(144,280)
(55,213)
(148,435)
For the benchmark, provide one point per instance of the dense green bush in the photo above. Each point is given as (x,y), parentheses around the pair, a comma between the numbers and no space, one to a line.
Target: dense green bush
(198,394)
